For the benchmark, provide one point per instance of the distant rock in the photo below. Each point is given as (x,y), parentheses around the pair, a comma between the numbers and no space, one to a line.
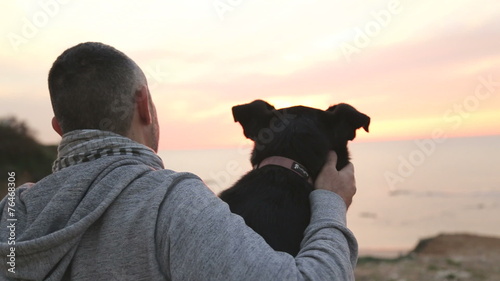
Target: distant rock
(458,245)
(368,215)
(446,257)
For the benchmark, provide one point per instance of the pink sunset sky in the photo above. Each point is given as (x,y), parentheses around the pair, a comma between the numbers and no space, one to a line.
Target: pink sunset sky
(417,68)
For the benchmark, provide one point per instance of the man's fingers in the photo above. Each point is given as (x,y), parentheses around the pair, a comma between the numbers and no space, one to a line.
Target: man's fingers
(349,168)
(332,159)
(341,182)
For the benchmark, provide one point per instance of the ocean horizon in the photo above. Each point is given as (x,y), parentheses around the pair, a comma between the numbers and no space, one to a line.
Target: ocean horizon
(407,190)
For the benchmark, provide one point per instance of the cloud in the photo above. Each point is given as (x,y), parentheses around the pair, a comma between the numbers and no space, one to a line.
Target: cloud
(288,52)
(400,67)
(410,80)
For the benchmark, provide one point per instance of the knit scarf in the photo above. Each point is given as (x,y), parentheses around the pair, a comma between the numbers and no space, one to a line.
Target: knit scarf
(81,146)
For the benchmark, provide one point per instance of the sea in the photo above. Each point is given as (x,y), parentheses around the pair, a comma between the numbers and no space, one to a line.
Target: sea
(406,190)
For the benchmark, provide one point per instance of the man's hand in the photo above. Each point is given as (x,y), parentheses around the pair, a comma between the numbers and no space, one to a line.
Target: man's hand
(341,182)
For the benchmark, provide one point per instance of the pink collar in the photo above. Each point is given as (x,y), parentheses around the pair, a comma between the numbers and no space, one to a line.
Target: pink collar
(286,163)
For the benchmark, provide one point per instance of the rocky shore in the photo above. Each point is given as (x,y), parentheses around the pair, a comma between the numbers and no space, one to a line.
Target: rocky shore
(446,257)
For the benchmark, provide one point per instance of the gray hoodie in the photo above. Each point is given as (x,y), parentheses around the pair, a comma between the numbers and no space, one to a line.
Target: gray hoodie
(110,211)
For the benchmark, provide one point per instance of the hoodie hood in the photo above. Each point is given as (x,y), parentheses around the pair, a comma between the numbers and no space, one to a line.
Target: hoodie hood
(42,224)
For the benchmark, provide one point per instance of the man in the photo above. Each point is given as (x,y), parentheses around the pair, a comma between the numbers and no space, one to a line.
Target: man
(110,211)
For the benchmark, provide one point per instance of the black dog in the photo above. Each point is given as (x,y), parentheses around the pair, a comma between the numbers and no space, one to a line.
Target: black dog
(290,148)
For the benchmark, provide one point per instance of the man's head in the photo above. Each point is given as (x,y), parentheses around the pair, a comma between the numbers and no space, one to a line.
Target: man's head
(95,86)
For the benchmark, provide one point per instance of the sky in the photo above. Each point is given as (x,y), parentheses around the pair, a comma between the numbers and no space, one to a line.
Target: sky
(419,69)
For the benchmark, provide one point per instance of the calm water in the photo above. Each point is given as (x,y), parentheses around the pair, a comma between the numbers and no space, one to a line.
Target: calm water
(407,190)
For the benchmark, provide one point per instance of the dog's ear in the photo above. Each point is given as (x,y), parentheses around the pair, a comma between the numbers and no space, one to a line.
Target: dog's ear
(345,120)
(253,117)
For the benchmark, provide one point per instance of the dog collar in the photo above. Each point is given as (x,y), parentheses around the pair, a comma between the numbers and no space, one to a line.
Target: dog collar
(286,163)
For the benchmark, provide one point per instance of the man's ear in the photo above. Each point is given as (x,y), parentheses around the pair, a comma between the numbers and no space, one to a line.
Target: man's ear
(253,117)
(345,120)
(143,105)
(56,126)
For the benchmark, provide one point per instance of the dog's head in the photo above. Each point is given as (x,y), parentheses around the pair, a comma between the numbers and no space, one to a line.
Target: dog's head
(300,133)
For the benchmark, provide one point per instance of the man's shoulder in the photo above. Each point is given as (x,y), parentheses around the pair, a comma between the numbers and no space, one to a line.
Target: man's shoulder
(169,177)
(164,182)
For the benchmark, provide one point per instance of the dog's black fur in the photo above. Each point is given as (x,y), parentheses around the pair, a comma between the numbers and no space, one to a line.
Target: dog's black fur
(273,200)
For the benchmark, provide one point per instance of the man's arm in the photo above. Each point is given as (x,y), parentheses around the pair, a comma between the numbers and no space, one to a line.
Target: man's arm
(205,241)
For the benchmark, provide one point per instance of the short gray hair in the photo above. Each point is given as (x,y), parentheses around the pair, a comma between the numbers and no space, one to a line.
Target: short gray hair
(92,86)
